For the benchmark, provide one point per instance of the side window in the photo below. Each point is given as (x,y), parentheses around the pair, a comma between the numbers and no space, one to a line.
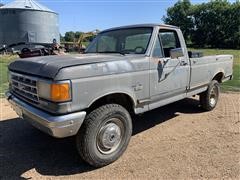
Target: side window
(169,41)
(157,51)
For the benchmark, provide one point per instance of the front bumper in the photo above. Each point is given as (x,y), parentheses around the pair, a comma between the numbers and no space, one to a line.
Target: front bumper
(57,126)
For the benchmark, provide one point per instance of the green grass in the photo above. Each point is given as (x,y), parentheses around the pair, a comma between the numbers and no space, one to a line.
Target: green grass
(233,85)
(4,61)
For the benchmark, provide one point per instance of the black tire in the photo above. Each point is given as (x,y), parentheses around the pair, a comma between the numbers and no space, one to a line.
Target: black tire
(209,98)
(99,142)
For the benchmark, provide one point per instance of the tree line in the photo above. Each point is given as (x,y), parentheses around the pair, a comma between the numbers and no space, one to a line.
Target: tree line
(213,24)
(71,36)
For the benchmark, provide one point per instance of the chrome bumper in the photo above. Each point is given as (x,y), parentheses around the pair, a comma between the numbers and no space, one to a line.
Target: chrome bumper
(56,126)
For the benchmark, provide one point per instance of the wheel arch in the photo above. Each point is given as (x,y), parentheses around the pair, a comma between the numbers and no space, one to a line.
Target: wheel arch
(218,76)
(121,98)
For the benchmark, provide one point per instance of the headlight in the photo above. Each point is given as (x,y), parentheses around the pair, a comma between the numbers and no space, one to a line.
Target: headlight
(56,91)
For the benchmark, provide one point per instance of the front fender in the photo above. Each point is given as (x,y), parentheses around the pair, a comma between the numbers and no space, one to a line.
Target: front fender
(88,90)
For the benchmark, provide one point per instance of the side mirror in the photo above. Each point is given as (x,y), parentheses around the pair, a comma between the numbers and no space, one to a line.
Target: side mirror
(176,53)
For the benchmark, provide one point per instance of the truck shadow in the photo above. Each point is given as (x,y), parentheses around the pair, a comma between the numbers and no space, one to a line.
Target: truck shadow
(24,148)
(165,113)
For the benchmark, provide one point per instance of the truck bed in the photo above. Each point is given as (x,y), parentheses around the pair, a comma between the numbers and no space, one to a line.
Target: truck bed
(206,67)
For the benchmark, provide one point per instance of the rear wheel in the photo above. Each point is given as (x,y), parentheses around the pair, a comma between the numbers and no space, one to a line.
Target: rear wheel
(105,135)
(209,98)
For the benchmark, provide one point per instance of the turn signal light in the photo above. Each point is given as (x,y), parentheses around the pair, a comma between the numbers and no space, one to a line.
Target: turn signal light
(60,92)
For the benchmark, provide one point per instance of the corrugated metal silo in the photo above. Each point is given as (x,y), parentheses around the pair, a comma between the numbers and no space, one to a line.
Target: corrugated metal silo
(29,22)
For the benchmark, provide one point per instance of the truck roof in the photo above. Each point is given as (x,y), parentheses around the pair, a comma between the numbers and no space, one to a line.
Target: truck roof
(141,25)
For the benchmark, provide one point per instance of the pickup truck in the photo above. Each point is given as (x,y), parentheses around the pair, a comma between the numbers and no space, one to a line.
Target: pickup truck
(124,71)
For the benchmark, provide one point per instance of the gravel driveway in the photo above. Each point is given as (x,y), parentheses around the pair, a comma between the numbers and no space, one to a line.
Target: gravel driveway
(178,141)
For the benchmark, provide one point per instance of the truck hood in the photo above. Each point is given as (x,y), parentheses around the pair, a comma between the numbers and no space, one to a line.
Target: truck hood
(49,66)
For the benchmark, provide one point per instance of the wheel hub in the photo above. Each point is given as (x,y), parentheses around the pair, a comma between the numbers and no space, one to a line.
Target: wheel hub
(109,138)
(213,96)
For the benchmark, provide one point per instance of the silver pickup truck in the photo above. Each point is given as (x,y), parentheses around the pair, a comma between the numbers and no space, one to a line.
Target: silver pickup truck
(124,71)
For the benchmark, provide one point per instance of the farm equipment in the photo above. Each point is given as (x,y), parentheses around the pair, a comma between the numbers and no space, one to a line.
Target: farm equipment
(45,49)
(79,44)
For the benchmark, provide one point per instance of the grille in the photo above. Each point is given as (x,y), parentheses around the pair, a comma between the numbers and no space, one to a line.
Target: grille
(25,87)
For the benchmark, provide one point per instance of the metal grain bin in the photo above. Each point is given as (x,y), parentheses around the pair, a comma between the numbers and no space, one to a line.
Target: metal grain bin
(26,21)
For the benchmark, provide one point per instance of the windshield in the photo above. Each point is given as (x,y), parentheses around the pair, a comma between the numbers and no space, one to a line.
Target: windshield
(124,41)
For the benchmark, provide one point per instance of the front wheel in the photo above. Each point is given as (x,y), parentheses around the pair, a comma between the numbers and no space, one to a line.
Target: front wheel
(209,98)
(104,135)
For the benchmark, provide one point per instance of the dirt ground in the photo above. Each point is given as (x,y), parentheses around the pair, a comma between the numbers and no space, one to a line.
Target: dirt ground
(178,141)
